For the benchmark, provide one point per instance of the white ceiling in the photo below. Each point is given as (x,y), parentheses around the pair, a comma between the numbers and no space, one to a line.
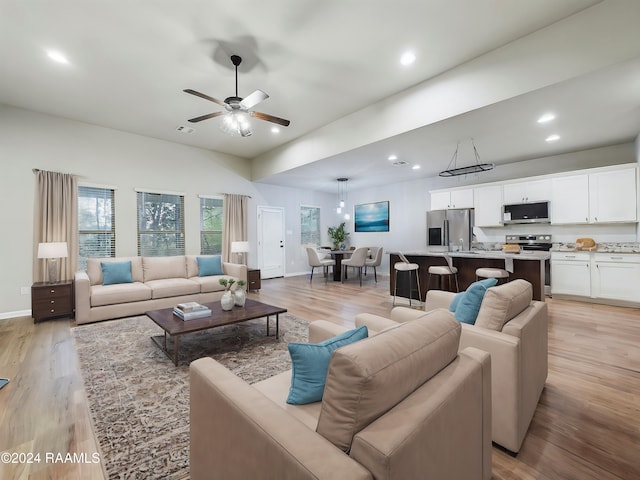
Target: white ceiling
(319,61)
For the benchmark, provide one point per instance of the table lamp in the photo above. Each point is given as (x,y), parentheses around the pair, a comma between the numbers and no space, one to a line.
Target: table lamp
(240,248)
(52,251)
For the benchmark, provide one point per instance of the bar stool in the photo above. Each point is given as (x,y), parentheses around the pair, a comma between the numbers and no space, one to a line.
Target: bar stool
(447,271)
(405,266)
(498,273)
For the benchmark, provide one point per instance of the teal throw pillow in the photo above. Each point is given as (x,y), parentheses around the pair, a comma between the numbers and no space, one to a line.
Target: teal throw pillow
(116,272)
(311,362)
(208,266)
(456,301)
(469,304)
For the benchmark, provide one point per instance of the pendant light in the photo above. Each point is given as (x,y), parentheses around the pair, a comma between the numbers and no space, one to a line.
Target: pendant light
(342,197)
(476,168)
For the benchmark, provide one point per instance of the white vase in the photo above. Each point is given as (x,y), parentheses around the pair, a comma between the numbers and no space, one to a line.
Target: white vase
(240,296)
(227,300)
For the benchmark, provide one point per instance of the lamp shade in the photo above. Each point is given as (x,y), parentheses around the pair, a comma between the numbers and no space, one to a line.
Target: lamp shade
(239,247)
(53,250)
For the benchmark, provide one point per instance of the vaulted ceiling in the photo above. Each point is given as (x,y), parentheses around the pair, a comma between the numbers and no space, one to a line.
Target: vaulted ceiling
(484,70)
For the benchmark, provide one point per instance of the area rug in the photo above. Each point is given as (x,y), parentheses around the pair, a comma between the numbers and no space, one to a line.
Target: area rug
(139,400)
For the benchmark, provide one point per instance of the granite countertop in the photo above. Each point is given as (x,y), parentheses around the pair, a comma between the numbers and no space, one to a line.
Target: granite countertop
(609,247)
(523,255)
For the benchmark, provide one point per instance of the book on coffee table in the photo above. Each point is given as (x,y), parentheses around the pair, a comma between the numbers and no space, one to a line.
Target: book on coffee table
(188,306)
(192,313)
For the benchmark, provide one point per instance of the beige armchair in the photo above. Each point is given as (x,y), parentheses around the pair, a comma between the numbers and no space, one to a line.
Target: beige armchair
(380,416)
(513,329)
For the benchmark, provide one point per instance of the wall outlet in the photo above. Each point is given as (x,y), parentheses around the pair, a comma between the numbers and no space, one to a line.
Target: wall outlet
(25,290)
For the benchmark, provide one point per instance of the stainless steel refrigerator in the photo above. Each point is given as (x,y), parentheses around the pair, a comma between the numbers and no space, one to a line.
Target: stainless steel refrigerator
(450,230)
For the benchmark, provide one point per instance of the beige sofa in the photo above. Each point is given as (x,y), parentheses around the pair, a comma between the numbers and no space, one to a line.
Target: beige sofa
(158,282)
(513,329)
(404,404)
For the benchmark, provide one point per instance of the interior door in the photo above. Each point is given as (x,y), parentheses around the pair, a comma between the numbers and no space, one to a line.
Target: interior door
(271,251)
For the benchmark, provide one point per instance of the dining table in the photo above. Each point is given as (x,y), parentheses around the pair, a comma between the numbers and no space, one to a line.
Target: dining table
(338,255)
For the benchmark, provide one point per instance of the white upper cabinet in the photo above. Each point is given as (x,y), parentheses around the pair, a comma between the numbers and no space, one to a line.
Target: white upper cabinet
(525,192)
(443,200)
(602,197)
(570,199)
(612,196)
(487,202)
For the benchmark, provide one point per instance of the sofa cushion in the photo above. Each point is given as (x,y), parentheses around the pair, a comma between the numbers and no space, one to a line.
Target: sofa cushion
(94,268)
(208,266)
(172,287)
(210,284)
(116,272)
(156,268)
(310,363)
(504,302)
(468,306)
(119,293)
(367,379)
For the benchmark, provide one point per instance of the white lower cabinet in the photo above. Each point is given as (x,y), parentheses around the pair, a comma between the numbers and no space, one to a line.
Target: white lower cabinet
(615,277)
(570,273)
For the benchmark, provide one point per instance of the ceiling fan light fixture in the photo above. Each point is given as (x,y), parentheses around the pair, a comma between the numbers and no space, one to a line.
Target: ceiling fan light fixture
(236,123)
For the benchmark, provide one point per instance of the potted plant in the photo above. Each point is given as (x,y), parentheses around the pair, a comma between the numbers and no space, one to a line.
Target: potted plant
(338,236)
(239,295)
(227,301)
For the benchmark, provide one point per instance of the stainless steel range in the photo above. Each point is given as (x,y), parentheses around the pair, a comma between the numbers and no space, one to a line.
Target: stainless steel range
(540,242)
(535,242)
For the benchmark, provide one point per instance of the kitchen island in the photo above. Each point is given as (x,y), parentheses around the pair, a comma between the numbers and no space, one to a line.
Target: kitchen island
(528,265)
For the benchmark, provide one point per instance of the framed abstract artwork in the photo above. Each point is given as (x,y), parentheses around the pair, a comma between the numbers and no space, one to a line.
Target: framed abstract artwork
(371,217)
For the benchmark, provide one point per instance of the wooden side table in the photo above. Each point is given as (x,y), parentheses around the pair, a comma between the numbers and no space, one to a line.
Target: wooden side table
(253,279)
(49,300)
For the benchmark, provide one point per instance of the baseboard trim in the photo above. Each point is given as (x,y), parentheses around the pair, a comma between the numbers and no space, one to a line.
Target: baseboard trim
(16,314)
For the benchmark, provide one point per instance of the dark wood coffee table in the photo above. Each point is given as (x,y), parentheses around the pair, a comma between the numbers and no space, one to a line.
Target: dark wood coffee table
(174,326)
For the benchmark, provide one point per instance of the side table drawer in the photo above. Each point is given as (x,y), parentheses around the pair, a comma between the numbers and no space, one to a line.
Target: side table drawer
(253,280)
(51,300)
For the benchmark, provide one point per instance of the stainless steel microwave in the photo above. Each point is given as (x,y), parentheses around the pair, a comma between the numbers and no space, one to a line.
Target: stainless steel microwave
(534,212)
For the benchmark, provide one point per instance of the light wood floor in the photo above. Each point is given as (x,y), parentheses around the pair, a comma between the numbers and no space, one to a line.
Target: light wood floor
(586,426)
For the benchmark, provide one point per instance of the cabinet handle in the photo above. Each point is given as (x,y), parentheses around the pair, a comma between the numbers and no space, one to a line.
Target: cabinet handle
(52,291)
(569,256)
(596,219)
(615,258)
(52,310)
(52,301)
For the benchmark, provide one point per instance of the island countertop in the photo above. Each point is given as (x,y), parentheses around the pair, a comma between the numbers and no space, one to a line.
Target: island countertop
(494,254)
(527,265)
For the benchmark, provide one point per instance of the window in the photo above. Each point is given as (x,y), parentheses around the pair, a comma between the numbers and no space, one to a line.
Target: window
(211,222)
(160,224)
(310,225)
(96,224)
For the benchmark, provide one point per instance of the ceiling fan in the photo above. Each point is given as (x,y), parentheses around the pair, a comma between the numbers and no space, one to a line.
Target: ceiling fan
(236,120)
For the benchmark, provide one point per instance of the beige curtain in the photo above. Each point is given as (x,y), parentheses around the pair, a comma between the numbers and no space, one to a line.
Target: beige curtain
(55,220)
(235,225)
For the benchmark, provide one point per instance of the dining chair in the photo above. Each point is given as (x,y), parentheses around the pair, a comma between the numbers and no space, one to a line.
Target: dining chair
(357,260)
(316,261)
(375,261)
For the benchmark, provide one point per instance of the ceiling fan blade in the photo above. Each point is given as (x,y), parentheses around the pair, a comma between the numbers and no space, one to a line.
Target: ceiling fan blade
(253,99)
(205,117)
(271,118)
(206,97)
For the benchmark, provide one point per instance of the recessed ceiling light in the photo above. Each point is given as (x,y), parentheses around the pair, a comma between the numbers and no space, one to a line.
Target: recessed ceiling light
(547,117)
(416,167)
(407,58)
(57,57)
(552,138)
(391,158)
(275,130)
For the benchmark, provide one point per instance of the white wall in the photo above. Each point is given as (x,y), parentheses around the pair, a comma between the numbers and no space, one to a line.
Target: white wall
(108,157)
